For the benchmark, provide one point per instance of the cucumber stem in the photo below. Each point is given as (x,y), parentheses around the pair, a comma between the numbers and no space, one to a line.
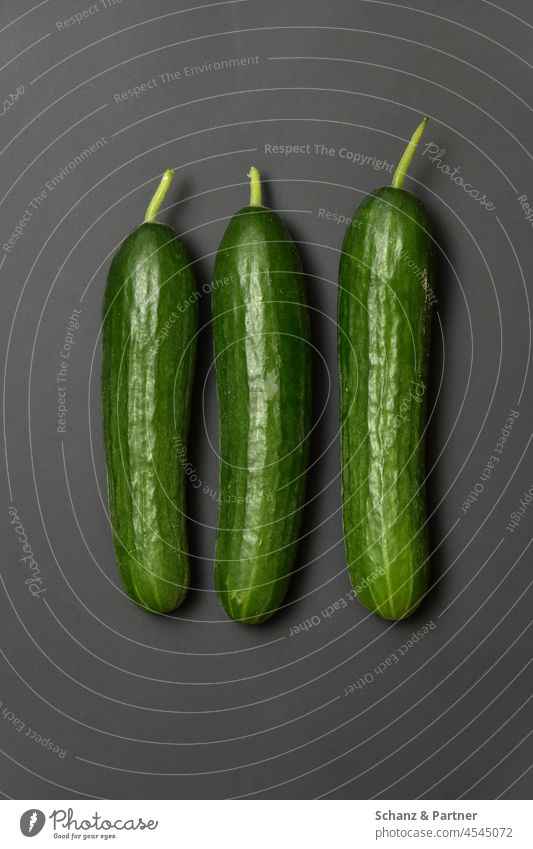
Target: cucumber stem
(159,196)
(405,161)
(255,187)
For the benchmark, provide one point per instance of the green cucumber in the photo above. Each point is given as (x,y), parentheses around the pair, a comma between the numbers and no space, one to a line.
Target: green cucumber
(150,320)
(385,293)
(262,361)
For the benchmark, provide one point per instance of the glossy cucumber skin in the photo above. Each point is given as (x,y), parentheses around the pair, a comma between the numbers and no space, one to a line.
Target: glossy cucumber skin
(262,361)
(385,289)
(150,320)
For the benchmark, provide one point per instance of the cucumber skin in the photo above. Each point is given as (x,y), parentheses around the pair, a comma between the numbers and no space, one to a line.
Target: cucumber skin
(264,399)
(384,322)
(146,391)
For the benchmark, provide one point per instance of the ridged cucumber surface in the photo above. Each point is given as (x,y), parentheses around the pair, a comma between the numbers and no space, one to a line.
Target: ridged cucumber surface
(150,320)
(262,360)
(385,293)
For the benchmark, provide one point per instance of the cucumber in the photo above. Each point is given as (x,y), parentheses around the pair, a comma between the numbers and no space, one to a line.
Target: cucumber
(150,320)
(262,362)
(385,293)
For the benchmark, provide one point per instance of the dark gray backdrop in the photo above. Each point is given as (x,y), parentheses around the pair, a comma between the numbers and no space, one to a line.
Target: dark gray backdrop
(100,699)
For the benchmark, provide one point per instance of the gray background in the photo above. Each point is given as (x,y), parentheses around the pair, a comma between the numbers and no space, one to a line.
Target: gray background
(192,705)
